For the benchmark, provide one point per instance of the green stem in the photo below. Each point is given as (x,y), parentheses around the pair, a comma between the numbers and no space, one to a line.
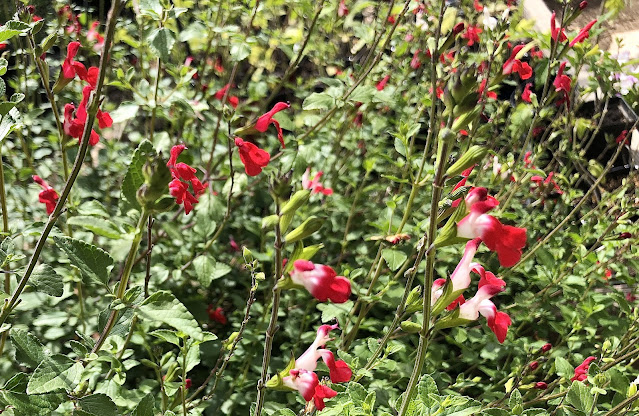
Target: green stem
(155,100)
(82,151)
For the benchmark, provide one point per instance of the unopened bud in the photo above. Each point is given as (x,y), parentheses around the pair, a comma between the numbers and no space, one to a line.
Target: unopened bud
(410,327)
(458,28)
(541,385)
(534,365)
(31,9)
(547,347)
(583,5)
(623,236)
(472,156)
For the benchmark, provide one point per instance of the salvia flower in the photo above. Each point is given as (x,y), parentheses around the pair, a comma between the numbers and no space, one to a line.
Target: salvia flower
(581,372)
(48,196)
(342,10)
(233,100)
(321,281)
(472,34)
(71,68)
(562,84)
(382,84)
(478,7)
(583,34)
(555,32)
(253,158)
(416,62)
(183,175)
(217,314)
(506,240)
(515,65)
(460,278)
(266,119)
(525,95)
(314,183)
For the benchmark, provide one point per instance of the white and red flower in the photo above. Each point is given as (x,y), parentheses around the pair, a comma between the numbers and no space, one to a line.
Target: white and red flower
(314,183)
(506,240)
(321,281)
(460,278)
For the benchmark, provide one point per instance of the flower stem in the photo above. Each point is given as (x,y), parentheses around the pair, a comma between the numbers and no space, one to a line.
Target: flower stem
(5,230)
(272,326)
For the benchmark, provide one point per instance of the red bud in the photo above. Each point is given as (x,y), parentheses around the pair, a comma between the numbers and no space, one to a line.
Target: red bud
(541,385)
(623,236)
(583,5)
(546,347)
(534,365)
(458,28)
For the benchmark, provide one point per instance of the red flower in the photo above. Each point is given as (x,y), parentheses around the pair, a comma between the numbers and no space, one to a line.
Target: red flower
(608,274)
(562,84)
(515,65)
(183,174)
(382,84)
(48,196)
(525,95)
(187,383)
(489,94)
(391,19)
(322,392)
(314,184)
(472,34)
(622,137)
(36,18)
(3,45)
(557,32)
(416,62)
(342,10)
(233,100)
(263,122)
(478,7)
(321,281)
(70,67)
(581,372)
(253,158)
(217,314)
(583,34)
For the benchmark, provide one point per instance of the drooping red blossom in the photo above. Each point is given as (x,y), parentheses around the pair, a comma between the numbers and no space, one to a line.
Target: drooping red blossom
(314,183)
(583,34)
(321,281)
(233,100)
(525,95)
(217,314)
(581,372)
(556,32)
(322,392)
(472,34)
(391,19)
(342,10)
(71,68)
(253,158)
(382,84)
(48,196)
(562,84)
(74,126)
(183,175)
(515,65)
(266,119)
(478,7)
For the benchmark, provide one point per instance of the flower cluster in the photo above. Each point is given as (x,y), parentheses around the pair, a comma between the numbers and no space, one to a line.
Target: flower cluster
(182,175)
(48,196)
(581,372)
(254,158)
(75,119)
(303,378)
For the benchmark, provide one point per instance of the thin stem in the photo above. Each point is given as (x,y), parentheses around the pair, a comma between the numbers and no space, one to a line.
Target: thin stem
(272,326)
(155,100)
(82,151)
(615,410)
(124,279)
(5,230)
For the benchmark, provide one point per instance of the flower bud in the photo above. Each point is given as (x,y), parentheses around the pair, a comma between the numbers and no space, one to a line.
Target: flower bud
(547,347)
(534,365)
(410,327)
(306,229)
(297,200)
(623,236)
(459,27)
(472,156)
(541,385)
(583,5)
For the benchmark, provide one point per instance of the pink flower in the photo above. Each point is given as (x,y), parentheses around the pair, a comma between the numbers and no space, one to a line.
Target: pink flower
(506,240)
(70,67)
(472,34)
(382,84)
(253,158)
(525,95)
(342,10)
(48,196)
(321,281)
(581,372)
(460,278)
(94,36)
(556,32)
(267,118)
(583,34)
(314,184)
(416,62)
(303,381)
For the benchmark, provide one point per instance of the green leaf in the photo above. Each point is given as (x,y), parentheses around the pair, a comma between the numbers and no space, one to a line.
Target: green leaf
(426,388)
(12,28)
(394,258)
(151,8)
(92,261)
(318,101)
(161,41)
(134,178)
(163,307)
(29,350)
(146,407)
(563,368)
(9,122)
(44,279)
(240,50)
(57,372)
(102,227)
(32,405)
(207,270)
(167,335)
(580,397)
(356,392)
(98,405)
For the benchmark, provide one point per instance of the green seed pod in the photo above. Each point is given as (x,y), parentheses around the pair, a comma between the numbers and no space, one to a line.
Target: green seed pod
(298,200)
(410,327)
(472,156)
(308,228)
